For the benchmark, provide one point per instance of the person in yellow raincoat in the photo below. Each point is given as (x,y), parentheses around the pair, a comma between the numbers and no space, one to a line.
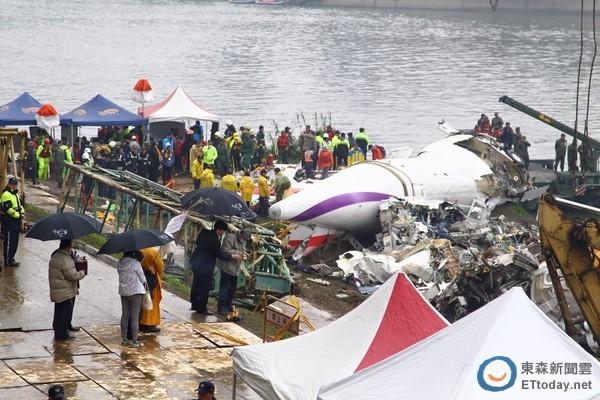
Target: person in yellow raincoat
(207,179)
(197,169)
(152,264)
(263,194)
(228,182)
(247,188)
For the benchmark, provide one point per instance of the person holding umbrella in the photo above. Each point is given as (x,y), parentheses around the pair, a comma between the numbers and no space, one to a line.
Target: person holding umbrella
(204,257)
(132,288)
(12,213)
(64,287)
(132,281)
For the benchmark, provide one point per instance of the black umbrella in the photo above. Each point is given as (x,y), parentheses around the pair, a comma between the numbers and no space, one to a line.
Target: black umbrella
(134,239)
(63,226)
(216,201)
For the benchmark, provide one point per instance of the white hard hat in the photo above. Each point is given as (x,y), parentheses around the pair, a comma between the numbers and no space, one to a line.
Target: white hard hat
(228,122)
(112,143)
(247,125)
(217,134)
(87,150)
(86,156)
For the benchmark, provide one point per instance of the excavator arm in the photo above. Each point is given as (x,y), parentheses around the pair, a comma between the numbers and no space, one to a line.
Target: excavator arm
(573,247)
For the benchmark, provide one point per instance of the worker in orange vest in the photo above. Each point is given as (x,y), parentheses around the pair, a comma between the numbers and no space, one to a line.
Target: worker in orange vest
(325,161)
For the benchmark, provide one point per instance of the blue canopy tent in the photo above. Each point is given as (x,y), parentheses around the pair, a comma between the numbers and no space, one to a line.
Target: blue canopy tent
(20,111)
(99,111)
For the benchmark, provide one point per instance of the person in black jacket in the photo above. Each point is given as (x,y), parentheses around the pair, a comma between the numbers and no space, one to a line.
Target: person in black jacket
(154,159)
(208,249)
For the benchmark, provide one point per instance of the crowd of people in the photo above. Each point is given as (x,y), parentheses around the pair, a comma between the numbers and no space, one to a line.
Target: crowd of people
(236,159)
(330,149)
(511,140)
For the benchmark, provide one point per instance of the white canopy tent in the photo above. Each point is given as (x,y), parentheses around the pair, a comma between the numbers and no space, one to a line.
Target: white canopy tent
(178,107)
(506,350)
(393,318)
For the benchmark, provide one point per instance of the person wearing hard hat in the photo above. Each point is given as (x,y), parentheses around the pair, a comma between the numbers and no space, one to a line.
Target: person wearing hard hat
(86,158)
(230,130)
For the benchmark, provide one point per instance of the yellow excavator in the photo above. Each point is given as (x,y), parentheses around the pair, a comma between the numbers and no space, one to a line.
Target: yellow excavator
(571,246)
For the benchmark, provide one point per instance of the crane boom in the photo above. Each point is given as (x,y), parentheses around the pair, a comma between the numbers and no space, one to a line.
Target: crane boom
(548,120)
(589,162)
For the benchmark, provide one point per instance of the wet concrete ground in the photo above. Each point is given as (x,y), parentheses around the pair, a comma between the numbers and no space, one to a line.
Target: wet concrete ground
(95,365)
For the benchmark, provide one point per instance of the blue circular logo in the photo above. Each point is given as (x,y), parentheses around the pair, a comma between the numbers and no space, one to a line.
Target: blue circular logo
(497,374)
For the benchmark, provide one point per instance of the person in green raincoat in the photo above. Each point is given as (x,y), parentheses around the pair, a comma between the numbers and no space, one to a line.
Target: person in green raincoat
(44,156)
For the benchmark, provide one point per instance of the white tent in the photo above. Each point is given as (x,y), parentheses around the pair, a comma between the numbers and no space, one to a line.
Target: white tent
(393,318)
(178,107)
(506,350)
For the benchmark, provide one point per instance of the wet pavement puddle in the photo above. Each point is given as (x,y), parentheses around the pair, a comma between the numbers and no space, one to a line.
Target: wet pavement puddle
(96,365)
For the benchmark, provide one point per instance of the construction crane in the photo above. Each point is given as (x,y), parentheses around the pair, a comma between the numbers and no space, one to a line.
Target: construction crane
(592,162)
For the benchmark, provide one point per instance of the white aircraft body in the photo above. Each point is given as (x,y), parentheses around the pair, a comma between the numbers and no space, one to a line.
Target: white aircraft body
(460,169)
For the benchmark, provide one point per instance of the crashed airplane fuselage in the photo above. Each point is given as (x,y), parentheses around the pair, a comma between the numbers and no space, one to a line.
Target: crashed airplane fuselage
(460,169)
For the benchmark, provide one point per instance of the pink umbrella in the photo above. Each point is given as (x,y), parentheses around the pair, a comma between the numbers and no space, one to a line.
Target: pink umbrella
(142,92)
(47,117)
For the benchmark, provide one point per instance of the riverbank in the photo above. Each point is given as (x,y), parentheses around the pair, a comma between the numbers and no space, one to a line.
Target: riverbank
(317,300)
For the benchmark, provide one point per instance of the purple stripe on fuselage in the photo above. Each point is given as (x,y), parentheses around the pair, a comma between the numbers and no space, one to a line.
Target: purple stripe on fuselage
(339,201)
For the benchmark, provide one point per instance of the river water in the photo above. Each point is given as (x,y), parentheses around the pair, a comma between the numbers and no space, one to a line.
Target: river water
(397,73)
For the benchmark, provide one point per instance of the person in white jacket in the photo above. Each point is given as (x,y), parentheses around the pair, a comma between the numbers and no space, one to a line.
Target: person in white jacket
(132,288)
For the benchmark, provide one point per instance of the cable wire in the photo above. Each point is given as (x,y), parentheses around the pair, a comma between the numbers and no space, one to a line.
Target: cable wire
(587,112)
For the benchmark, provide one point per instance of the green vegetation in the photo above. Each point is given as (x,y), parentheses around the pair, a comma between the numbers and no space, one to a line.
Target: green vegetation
(34,213)
(95,240)
(176,285)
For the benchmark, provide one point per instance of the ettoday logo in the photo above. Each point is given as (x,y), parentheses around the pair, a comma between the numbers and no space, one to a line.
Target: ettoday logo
(497,374)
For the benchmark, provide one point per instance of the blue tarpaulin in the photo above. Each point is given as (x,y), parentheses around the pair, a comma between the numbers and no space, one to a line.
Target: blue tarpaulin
(100,111)
(20,111)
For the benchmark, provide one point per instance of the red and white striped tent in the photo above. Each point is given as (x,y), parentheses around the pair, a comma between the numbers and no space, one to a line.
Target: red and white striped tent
(395,317)
(507,349)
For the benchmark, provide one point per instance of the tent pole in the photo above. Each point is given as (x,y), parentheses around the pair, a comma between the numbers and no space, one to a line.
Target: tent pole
(234,391)
(143,136)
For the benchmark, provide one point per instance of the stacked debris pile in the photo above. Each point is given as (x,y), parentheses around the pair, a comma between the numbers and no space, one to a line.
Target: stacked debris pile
(458,259)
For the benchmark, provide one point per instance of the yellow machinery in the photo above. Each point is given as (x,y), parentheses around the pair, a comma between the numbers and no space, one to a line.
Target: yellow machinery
(572,246)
